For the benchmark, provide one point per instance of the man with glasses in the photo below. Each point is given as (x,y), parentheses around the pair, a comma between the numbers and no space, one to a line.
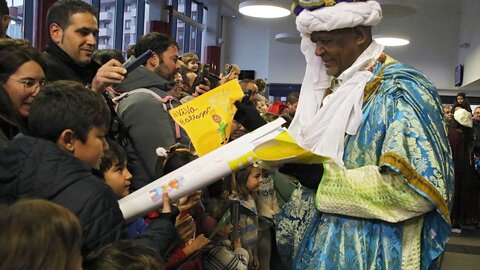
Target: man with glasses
(73,28)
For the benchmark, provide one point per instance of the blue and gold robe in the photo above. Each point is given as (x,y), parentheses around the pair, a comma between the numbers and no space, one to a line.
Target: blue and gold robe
(354,221)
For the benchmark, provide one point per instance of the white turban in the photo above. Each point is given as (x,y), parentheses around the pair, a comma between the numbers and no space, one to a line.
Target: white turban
(321,127)
(342,15)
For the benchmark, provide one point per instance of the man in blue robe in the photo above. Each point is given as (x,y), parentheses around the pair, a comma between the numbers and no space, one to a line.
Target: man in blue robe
(383,199)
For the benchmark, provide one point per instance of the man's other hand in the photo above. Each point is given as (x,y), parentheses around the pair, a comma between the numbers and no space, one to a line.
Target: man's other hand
(309,175)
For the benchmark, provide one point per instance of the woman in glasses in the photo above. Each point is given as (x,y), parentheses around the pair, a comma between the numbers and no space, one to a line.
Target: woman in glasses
(22,73)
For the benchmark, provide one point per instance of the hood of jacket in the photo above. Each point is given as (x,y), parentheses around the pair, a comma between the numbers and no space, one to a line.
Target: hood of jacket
(141,77)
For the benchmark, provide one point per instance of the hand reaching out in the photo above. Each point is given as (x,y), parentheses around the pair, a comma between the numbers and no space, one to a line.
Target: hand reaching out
(167,208)
(108,74)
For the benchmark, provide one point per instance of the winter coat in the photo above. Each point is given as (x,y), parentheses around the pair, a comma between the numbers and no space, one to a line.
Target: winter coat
(37,168)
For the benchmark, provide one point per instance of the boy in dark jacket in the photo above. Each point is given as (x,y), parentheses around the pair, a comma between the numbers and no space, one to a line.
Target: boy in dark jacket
(68,124)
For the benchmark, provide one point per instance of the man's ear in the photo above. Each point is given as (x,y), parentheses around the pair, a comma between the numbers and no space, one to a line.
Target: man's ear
(361,35)
(66,140)
(56,33)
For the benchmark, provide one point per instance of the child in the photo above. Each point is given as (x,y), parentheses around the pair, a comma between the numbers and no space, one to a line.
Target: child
(68,122)
(114,171)
(191,62)
(159,234)
(267,206)
(244,187)
(221,255)
(38,234)
(191,210)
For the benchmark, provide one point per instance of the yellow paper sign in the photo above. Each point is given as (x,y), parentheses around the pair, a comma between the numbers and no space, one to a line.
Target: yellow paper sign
(283,149)
(208,118)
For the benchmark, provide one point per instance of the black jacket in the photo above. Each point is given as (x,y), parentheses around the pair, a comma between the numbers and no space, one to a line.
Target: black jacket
(36,168)
(61,67)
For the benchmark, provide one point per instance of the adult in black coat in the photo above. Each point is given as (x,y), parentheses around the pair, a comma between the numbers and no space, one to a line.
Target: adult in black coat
(72,28)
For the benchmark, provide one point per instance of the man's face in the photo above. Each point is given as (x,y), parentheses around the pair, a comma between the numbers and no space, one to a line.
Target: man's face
(168,63)
(78,39)
(476,114)
(448,114)
(338,49)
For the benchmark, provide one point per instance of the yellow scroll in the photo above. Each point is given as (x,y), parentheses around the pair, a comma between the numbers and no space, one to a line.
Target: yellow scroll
(208,118)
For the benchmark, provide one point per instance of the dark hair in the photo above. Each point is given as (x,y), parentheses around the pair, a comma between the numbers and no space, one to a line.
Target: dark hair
(154,41)
(124,255)
(293,97)
(239,182)
(103,56)
(465,105)
(261,84)
(130,50)
(65,105)
(4,8)
(14,53)
(115,153)
(178,155)
(61,11)
(38,234)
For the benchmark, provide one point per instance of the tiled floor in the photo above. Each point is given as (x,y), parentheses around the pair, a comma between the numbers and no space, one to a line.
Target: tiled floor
(463,251)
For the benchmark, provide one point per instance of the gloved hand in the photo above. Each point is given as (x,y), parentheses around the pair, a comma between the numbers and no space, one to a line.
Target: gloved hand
(309,175)
(247,115)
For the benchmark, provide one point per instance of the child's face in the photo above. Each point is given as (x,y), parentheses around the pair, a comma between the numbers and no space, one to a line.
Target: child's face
(192,66)
(262,107)
(254,179)
(460,100)
(118,178)
(225,231)
(92,150)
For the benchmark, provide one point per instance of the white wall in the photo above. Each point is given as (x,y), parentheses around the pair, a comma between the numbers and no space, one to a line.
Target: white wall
(469,25)
(250,43)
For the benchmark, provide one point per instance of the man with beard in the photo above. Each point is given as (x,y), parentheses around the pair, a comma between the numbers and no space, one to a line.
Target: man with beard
(144,111)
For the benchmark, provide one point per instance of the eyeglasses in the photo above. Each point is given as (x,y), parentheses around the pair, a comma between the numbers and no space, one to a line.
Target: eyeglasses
(30,85)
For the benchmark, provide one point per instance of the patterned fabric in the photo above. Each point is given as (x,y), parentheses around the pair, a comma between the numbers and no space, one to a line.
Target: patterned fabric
(222,257)
(401,133)
(248,223)
(267,204)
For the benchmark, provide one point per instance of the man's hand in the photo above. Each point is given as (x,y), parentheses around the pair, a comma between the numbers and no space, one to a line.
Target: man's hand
(247,115)
(108,74)
(202,88)
(309,175)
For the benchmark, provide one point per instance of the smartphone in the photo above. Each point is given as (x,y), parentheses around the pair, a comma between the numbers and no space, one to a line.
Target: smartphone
(131,65)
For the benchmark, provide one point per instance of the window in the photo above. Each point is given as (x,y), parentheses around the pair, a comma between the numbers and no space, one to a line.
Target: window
(128,24)
(15,28)
(187,25)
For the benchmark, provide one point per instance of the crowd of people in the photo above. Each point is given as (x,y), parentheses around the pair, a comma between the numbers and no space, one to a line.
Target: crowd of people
(463,130)
(78,133)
